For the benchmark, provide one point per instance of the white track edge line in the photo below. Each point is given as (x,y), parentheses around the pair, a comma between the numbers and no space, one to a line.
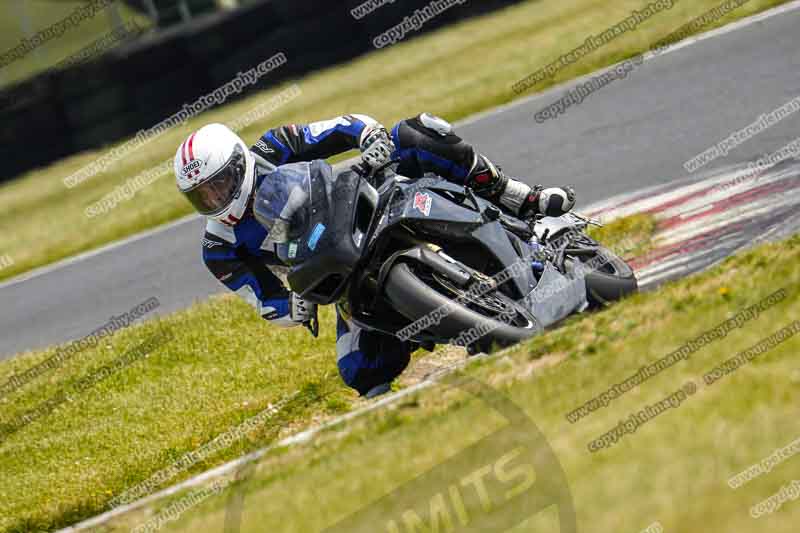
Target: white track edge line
(649,55)
(46,269)
(304,436)
(785,8)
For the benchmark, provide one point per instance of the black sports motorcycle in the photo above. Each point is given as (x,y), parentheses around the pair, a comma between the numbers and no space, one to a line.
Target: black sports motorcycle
(429,261)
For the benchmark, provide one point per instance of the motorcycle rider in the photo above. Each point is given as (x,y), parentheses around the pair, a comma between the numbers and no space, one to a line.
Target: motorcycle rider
(219,175)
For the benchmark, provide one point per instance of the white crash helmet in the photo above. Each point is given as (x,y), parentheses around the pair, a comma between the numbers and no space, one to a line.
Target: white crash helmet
(216,171)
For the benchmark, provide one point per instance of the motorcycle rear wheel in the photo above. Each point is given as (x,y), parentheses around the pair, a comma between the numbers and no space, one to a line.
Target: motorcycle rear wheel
(611,282)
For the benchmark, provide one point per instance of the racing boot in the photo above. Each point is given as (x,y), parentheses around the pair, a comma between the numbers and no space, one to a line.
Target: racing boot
(516,197)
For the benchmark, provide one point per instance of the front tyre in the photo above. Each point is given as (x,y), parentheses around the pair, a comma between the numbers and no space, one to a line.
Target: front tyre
(416,293)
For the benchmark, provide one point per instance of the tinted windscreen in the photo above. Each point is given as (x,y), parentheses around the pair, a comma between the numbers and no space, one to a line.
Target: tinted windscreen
(292,203)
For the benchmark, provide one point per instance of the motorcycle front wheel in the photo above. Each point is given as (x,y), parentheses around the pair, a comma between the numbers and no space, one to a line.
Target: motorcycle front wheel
(419,294)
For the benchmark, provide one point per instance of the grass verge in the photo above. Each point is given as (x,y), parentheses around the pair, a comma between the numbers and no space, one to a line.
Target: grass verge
(225,365)
(43,221)
(628,237)
(19,20)
(673,470)
(222,366)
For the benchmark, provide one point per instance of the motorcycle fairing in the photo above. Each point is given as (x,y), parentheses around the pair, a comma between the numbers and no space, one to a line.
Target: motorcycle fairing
(556,296)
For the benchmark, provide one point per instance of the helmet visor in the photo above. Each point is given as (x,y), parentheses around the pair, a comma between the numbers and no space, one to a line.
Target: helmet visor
(282,202)
(217,192)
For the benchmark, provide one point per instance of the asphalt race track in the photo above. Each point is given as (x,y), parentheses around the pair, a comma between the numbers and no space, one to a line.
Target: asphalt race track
(633,134)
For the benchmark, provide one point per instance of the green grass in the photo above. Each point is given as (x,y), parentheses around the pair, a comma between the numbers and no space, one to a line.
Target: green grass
(628,237)
(67,465)
(42,221)
(673,470)
(35,16)
(225,365)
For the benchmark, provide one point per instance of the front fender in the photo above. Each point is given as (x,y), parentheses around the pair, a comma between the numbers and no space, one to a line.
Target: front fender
(427,255)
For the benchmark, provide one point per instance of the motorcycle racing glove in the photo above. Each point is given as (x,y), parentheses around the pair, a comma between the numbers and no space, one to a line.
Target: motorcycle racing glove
(300,312)
(376,147)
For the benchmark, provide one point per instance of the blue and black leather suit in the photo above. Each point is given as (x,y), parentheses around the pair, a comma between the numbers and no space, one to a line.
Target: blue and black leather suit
(240,255)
